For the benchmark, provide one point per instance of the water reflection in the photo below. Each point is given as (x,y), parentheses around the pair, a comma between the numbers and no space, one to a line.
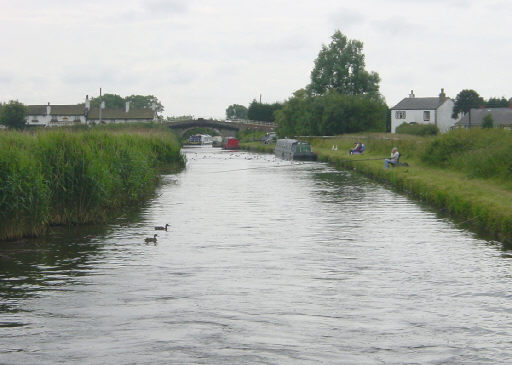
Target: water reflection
(265,261)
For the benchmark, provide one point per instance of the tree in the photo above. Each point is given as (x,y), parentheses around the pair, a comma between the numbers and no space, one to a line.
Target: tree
(236,111)
(13,114)
(112,101)
(465,100)
(340,66)
(262,112)
(497,103)
(487,121)
(144,101)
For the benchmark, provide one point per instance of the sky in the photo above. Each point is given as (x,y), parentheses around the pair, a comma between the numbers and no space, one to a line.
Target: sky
(198,57)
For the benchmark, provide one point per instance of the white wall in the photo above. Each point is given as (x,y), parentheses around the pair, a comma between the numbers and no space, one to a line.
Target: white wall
(444,116)
(411,116)
(61,120)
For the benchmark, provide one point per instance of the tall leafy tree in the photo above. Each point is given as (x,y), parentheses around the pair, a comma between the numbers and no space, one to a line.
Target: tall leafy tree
(236,111)
(13,114)
(466,100)
(340,66)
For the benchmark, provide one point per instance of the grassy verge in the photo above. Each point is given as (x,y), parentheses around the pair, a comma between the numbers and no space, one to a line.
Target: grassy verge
(75,176)
(483,201)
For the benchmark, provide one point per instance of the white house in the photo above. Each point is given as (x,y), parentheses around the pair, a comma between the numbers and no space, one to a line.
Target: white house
(66,115)
(432,110)
(121,115)
(55,115)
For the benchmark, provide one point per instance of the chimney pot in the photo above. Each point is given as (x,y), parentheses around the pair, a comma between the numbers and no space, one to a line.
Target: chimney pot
(411,95)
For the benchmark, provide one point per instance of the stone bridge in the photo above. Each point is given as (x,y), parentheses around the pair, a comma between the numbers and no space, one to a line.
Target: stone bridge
(225,129)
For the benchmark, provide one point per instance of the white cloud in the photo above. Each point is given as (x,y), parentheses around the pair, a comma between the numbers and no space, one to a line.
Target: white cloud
(199,56)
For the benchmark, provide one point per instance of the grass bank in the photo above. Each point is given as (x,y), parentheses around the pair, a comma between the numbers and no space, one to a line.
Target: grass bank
(76,176)
(466,174)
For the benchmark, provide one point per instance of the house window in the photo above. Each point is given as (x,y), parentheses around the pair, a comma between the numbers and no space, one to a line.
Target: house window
(426,116)
(400,114)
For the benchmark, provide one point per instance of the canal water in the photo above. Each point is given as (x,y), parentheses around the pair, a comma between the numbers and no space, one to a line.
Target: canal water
(264,262)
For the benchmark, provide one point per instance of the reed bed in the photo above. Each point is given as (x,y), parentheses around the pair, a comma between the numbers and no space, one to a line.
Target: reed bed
(77,176)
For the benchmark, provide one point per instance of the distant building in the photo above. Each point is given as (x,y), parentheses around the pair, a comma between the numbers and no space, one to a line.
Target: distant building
(502,118)
(430,110)
(55,115)
(66,115)
(121,115)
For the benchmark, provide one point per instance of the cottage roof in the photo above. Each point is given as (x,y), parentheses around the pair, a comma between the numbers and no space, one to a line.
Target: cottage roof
(121,114)
(420,103)
(56,109)
(500,116)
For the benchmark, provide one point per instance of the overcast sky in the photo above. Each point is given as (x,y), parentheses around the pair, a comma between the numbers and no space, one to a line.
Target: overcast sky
(198,56)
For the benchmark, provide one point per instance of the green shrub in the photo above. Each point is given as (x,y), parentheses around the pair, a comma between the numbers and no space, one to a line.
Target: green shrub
(417,129)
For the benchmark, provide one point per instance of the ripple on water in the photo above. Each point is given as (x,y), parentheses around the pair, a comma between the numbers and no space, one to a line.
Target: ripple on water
(264,262)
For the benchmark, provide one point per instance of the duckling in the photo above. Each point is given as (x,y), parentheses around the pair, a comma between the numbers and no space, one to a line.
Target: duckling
(149,239)
(161,228)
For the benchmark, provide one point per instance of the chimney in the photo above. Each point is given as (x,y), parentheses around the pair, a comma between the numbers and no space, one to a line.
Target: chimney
(442,96)
(48,109)
(411,95)
(87,102)
(127,107)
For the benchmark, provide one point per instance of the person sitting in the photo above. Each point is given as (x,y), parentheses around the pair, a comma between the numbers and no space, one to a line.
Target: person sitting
(358,148)
(393,160)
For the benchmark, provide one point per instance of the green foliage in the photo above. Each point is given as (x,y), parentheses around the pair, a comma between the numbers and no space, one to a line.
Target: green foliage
(470,151)
(68,177)
(114,101)
(487,121)
(179,118)
(13,114)
(466,100)
(497,103)
(330,114)
(340,66)
(145,102)
(263,112)
(236,111)
(417,129)
(249,135)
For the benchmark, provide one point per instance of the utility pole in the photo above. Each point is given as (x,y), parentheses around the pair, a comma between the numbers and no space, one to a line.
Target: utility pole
(260,98)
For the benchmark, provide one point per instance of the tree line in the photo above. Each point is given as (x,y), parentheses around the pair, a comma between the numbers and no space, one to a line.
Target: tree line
(342,96)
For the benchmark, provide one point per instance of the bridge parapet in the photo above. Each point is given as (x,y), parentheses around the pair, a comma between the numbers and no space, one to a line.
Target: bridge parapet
(225,128)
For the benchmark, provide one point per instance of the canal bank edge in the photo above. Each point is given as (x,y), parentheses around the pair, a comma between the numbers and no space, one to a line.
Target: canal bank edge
(450,192)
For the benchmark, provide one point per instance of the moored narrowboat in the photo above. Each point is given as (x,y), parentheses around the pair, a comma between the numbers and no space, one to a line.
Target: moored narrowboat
(292,149)
(231,143)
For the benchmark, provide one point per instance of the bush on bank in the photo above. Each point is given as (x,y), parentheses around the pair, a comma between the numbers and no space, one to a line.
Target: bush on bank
(73,177)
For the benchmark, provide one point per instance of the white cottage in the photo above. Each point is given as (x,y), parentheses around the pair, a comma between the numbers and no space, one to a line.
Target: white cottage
(432,110)
(55,115)
(125,115)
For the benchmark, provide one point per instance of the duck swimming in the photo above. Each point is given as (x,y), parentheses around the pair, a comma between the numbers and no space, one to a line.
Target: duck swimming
(161,228)
(149,239)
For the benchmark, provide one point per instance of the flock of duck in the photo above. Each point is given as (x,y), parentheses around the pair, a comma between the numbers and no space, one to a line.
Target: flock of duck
(153,239)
